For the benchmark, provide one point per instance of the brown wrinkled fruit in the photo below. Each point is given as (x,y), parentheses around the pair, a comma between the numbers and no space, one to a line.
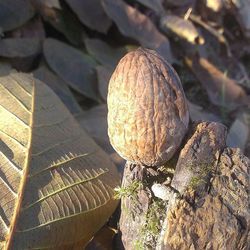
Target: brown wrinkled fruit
(147,109)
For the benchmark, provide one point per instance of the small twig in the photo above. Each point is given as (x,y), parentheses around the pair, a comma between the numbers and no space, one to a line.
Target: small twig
(188,13)
(213,31)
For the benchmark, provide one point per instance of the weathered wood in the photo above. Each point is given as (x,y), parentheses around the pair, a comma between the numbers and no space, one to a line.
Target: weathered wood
(208,205)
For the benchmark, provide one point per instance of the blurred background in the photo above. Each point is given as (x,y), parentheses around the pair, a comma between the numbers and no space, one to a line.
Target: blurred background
(74,46)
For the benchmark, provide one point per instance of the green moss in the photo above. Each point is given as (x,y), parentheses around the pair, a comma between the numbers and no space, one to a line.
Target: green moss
(201,173)
(195,182)
(150,230)
(130,190)
(138,245)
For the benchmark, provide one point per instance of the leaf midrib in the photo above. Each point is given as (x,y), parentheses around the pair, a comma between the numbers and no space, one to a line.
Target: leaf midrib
(9,237)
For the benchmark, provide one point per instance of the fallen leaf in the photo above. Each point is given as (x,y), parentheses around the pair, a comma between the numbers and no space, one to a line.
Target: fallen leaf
(32,29)
(136,25)
(172,24)
(20,47)
(155,5)
(179,3)
(67,23)
(73,66)
(197,113)
(42,4)
(5,68)
(103,239)
(94,121)
(103,75)
(104,53)
(238,134)
(221,90)
(59,87)
(214,5)
(91,14)
(242,10)
(14,13)
(57,181)
(119,161)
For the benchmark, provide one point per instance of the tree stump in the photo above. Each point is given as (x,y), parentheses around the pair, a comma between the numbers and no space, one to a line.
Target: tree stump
(204,192)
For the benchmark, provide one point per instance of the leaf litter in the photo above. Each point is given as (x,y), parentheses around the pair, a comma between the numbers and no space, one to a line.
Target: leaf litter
(74,45)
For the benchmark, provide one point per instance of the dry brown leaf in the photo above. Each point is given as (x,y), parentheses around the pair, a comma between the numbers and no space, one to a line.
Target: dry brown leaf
(221,90)
(155,5)
(103,75)
(32,29)
(14,13)
(214,5)
(59,87)
(76,68)
(56,183)
(242,10)
(91,14)
(94,121)
(104,53)
(20,47)
(5,68)
(52,3)
(68,24)
(238,133)
(42,4)
(197,113)
(103,239)
(21,52)
(138,26)
(179,3)
(182,28)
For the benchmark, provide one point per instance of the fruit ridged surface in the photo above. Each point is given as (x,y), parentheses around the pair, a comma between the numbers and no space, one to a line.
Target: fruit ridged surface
(148,114)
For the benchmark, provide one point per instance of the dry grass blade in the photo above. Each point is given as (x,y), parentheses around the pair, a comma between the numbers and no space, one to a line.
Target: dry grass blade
(56,183)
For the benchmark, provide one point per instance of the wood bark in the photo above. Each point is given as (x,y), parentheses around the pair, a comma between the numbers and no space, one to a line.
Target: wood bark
(208,206)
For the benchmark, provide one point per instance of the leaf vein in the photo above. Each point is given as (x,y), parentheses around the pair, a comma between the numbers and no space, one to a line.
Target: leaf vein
(63,189)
